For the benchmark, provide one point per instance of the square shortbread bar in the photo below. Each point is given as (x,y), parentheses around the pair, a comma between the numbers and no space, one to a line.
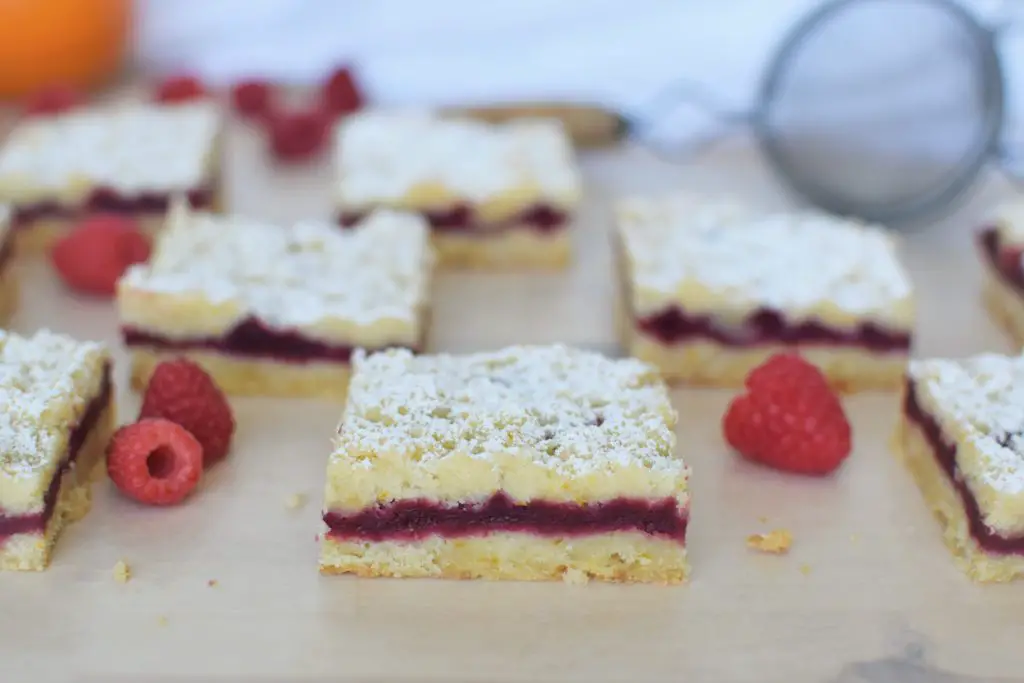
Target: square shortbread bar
(495,194)
(57,415)
(8,276)
(709,290)
(1001,243)
(962,437)
(277,311)
(127,158)
(527,463)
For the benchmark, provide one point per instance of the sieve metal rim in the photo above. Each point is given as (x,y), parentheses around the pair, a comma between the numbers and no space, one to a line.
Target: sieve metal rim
(927,204)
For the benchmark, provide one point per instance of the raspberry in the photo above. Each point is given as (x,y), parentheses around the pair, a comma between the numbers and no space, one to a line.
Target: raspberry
(252,99)
(340,94)
(155,462)
(789,419)
(298,136)
(181,88)
(55,100)
(182,392)
(92,258)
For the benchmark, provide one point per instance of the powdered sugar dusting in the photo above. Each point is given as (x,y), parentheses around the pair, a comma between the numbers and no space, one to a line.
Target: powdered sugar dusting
(383,156)
(131,148)
(796,263)
(46,383)
(577,411)
(985,395)
(295,276)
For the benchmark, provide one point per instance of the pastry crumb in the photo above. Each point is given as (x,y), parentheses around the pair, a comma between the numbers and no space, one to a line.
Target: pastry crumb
(775,542)
(296,501)
(212,583)
(763,519)
(161,620)
(854,538)
(805,569)
(122,572)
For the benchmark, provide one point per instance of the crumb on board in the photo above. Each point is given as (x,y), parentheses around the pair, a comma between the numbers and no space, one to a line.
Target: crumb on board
(805,569)
(212,583)
(296,501)
(122,572)
(854,538)
(161,620)
(763,519)
(776,542)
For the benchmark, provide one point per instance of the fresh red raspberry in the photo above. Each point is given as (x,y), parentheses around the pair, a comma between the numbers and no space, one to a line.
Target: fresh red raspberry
(182,392)
(252,99)
(789,419)
(298,136)
(55,100)
(340,94)
(155,462)
(1010,259)
(183,88)
(92,258)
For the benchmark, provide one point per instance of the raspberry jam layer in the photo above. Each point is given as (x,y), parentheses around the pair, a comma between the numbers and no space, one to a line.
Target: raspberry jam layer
(408,520)
(1007,262)
(11,525)
(764,327)
(541,217)
(249,338)
(945,455)
(106,200)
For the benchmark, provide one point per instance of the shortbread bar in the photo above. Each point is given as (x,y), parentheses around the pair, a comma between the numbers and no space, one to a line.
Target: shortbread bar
(276,311)
(709,290)
(56,415)
(1001,242)
(8,276)
(528,463)
(127,158)
(496,195)
(962,437)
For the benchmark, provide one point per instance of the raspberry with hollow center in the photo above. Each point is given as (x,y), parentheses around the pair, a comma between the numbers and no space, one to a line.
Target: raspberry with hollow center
(340,94)
(155,461)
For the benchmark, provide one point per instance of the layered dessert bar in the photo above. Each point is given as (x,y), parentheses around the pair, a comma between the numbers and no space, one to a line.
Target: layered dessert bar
(1001,242)
(709,290)
(495,194)
(272,310)
(528,463)
(962,437)
(57,415)
(8,277)
(128,159)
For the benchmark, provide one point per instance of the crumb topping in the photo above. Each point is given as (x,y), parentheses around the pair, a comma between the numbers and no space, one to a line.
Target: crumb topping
(383,157)
(775,542)
(984,395)
(46,383)
(130,148)
(795,263)
(573,411)
(295,276)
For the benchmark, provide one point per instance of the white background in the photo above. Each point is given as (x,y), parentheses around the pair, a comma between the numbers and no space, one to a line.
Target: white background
(620,53)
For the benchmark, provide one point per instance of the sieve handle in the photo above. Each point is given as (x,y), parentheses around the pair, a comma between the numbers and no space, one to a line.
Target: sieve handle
(587,125)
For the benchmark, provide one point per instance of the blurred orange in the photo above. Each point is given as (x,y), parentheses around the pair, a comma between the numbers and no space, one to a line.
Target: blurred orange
(78,43)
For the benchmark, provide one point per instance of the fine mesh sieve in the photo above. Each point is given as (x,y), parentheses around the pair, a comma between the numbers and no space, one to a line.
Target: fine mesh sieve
(883,109)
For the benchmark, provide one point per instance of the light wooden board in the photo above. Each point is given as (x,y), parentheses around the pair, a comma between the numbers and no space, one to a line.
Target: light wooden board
(878,600)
